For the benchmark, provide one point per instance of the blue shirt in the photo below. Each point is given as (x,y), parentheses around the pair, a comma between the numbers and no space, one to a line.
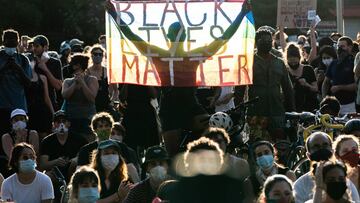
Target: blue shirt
(12,92)
(341,73)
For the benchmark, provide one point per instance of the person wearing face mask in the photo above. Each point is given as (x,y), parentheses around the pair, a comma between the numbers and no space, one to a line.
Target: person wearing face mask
(80,93)
(331,185)
(84,186)
(115,177)
(327,55)
(266,167)
(339,80)
(106,92)
(15,74)
(27,184)
(357,76)
(303,80)
(157,167)
(59,149)
(346,148)
(102,124)
(277,189)
(271,83)
(19,133)
(318,148)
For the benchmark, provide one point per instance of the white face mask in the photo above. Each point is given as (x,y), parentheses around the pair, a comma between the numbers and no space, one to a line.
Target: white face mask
(45,56)
(117,138)
(61,129)
(327,62)
(158,173)
(10,51)
(88,195)
(19,125)
(110,161)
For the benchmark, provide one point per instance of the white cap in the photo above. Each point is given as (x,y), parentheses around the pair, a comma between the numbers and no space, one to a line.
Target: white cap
(17,112)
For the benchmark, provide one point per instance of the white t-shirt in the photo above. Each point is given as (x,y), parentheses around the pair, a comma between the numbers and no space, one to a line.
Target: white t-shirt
(304,189)
(40,189)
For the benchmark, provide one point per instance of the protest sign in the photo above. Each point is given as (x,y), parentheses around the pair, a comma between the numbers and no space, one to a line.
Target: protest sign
(180,43)
(296,13)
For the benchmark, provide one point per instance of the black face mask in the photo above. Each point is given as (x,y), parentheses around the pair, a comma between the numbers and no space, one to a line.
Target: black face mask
(321,155)
(264,47)
(294,66)
(336,190)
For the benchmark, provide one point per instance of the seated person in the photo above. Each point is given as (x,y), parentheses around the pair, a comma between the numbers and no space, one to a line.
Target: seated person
(113,172)
(27,184)
(19,133)
(84,186)
(157,166)
(277,188)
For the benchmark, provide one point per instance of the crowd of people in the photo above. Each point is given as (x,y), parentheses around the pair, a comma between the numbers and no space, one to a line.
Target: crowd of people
(62,122)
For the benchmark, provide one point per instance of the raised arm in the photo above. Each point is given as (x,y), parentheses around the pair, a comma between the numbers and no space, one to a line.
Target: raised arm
(139,43)
(214,46)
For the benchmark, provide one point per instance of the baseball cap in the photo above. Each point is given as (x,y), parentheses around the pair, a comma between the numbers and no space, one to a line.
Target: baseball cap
(41,40)
(108,143)
(59,113)
(17,112)
(156,153)
(75,41)
(64,46)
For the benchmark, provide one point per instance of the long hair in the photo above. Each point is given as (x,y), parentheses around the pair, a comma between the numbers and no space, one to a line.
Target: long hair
(81,175)
(269,184)
(119,174)
(16,153)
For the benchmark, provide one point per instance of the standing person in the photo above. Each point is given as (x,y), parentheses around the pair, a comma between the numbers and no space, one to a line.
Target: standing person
(303,80)
(40,107)
(340,77)
(27,184)
(357,77)
(19,133)
(331,186)
(48,66)
(112,170)
(15,74)
(327,55)
(318,148)
(106,93)
(271,80)
(80,93)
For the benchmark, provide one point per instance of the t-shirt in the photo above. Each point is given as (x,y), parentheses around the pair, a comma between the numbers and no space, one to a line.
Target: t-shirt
(12,93)
(304,189)
(40,189)
(141,193)
(51,147)
(341,73)
(305,99)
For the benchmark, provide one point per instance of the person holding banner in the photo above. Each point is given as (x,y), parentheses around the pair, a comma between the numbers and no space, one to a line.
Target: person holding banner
(179,106)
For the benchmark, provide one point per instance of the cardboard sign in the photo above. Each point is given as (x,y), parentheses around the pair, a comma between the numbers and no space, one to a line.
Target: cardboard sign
(296,13)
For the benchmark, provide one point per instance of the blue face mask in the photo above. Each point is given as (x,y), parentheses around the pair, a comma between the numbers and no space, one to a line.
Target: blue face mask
(27,166)
(265,161)
(10,51)
(88,194)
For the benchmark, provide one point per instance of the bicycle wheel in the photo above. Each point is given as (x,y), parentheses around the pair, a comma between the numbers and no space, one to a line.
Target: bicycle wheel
(301,167)
(295,155)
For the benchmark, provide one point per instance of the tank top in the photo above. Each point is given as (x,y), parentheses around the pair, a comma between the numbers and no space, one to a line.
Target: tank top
(102,100)
(78,106)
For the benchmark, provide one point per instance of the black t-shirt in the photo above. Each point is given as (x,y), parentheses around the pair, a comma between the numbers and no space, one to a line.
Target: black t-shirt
(141,193)
(305,99)
(51,147)
(127,153)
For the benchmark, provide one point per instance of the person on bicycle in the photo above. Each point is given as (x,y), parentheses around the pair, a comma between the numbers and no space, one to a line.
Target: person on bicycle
(346,148)
(84,186)
(235,167)
(318,148)
(263,153)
